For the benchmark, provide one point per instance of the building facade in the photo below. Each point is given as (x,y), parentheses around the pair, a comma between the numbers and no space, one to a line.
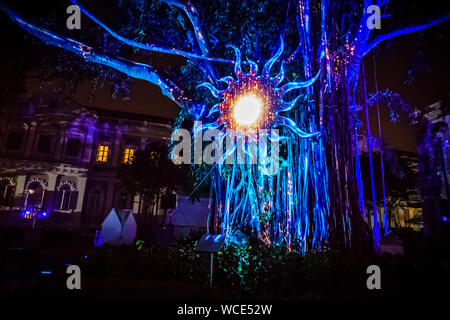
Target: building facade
(434,156)
(403,197)
(438,114)
(59,160)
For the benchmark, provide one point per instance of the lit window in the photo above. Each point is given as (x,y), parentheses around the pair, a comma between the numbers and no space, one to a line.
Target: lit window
(128,155)
(102,153)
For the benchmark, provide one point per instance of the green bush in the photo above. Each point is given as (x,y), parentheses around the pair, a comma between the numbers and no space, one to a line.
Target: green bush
(272,272)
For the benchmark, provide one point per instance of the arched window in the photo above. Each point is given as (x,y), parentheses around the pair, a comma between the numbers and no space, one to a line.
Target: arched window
(34,195)
(68,197)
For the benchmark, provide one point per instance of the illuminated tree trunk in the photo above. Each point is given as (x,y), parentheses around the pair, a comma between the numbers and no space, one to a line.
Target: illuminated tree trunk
(315,201)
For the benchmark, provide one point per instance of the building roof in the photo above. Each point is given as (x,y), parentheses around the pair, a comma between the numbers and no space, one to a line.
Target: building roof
(102,112)
(51,97)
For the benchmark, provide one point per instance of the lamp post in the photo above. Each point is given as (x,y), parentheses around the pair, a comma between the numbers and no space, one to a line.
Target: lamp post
(32,237)
(33,207)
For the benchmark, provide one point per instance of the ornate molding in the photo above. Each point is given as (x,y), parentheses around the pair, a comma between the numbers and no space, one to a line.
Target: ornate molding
(71,185)
(41,181)
(10,180)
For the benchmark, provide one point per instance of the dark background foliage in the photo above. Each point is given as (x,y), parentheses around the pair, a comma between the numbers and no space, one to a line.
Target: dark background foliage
(272,272)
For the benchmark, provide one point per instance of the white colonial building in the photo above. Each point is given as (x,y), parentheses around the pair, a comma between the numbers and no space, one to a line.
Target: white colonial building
(61,159)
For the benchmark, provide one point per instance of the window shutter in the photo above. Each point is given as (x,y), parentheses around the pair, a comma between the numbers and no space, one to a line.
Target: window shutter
(73,199)
(57,195)
(48,197)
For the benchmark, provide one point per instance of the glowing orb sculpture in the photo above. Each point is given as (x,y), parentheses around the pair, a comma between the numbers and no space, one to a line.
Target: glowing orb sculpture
(253,101)
(247,110)
(274,204)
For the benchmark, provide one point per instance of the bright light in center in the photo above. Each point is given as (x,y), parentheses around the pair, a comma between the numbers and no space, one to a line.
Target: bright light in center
(247,110)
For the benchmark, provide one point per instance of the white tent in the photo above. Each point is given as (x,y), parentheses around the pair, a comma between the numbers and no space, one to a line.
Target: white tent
(129,229)
(188,214)
(118,229)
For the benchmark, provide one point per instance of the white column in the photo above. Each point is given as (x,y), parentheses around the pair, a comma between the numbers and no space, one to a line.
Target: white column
(20,184)
(52,181)
(89,144)
(81,187)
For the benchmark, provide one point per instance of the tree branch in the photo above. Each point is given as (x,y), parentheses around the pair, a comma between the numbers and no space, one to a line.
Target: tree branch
(403,31)
(148,47)
(133,69)
(193,16)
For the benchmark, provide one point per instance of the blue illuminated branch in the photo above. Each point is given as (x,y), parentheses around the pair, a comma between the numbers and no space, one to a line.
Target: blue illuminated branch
(237,62)
(271,61)
(148,47)
(264,85)
(284,121)
(131,68)
(300,33)
(400,32)
(192,14)
(215,92)
(297,85)
(200,36)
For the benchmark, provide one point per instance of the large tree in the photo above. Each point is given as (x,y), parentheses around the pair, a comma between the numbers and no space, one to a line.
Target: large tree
(316,199)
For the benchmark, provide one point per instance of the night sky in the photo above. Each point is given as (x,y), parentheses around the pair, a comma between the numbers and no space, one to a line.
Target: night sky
(427,88)
(392,69)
